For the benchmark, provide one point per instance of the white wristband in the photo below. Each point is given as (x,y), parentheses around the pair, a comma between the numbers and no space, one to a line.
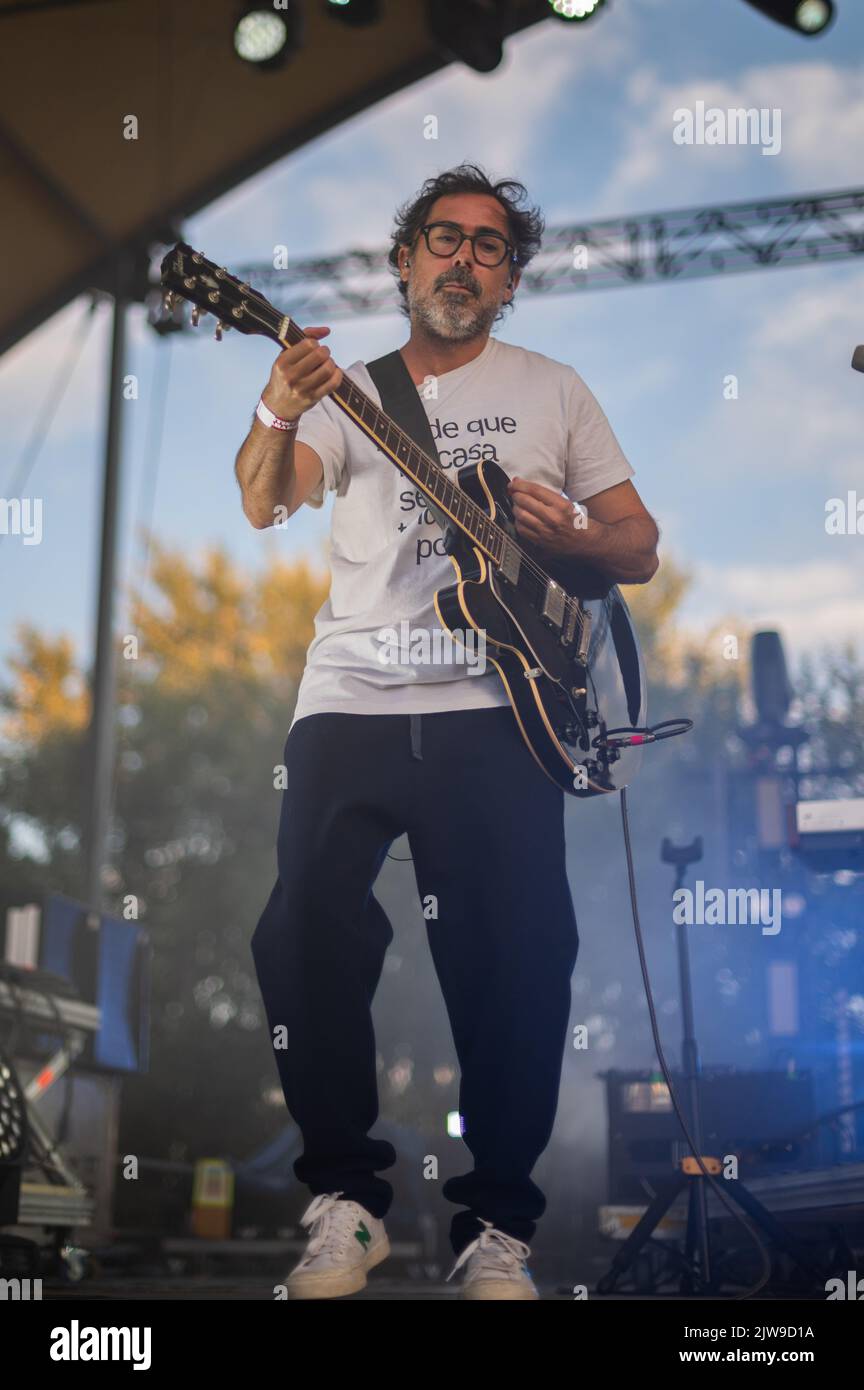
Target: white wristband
(274,422)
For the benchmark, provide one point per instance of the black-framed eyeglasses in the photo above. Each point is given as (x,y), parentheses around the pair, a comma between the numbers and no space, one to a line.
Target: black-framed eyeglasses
(445,239)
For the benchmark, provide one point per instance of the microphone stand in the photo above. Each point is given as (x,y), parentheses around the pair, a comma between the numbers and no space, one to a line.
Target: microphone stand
(697,1277)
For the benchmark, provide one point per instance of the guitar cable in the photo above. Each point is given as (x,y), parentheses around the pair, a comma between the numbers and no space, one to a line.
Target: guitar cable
(748,1227)
(633,736)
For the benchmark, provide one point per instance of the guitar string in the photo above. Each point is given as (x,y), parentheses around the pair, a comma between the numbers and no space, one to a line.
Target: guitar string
(474,511)
(570,606)
(481,519)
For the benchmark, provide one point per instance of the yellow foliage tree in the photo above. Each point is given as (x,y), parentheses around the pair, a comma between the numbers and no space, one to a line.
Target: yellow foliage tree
(674,656)
(215,617)
(206,618)
(48,693)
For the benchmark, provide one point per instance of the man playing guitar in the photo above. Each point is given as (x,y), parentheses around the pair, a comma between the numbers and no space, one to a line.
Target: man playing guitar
(378,748)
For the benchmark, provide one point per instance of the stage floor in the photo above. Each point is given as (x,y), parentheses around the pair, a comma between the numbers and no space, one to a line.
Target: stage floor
(256,1290)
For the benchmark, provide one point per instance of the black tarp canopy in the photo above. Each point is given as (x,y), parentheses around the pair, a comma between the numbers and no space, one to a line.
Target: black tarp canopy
(74,192)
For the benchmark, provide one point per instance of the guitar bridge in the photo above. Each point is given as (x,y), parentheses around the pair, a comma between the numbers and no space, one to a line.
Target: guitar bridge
(584,638)
(569,629)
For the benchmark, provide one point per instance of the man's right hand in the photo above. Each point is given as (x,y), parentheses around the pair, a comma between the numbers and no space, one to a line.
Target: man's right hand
(300,376)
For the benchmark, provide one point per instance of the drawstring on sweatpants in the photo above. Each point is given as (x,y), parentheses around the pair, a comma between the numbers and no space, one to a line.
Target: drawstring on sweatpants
(416,751)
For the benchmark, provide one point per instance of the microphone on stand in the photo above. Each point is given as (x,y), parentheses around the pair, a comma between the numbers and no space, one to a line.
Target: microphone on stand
(858,358)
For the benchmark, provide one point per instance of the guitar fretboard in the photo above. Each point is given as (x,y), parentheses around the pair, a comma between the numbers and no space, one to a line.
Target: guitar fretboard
(190,275)
(423,470)
(213,289)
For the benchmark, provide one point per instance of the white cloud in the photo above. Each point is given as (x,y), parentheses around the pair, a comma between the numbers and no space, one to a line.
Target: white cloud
(36,369)
(353,204)
(812,605)
(800,408)
(822,118)
(475,111)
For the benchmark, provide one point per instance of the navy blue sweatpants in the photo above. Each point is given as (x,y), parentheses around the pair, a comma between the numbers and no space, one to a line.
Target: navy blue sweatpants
(486,832)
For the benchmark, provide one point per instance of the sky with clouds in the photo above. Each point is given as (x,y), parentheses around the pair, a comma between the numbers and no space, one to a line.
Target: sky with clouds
(585,118)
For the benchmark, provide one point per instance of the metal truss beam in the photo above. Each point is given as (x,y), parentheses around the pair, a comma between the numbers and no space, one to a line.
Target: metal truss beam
(647,248)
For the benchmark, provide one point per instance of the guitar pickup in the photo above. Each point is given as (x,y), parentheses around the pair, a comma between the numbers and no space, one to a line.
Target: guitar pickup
(553,605)
(510,563)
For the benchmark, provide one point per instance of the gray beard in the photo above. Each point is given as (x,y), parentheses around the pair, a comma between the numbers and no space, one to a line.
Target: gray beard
(450,318)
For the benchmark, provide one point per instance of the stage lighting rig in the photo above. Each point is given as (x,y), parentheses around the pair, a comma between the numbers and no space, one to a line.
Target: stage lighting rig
(807,17)
(357,12)
(575,11)
(470,30)
(265,37)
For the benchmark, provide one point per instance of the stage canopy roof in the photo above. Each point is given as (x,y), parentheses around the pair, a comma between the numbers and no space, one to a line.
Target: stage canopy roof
(75,192)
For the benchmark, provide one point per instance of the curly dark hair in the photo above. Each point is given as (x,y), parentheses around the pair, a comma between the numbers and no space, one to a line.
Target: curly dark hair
(526,223)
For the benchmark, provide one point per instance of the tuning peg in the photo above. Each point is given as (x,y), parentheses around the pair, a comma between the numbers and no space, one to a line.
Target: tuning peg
(217,332)
(169,299)
(195,315)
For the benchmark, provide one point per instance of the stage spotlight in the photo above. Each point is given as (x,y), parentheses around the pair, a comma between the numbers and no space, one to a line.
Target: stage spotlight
(808,17)
(354,11)
(575,10)
(470,30)
(266,37)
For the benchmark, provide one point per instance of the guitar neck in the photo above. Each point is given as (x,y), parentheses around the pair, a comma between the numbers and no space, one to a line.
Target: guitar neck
(211,289)
(424,471)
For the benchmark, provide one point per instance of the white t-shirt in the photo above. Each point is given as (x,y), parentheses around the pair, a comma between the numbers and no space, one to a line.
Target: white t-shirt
(379,647)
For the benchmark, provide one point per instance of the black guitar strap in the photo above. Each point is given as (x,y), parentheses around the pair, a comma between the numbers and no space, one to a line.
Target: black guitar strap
(400,400)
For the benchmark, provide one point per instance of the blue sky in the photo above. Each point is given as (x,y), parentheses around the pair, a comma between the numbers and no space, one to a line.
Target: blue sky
(584,117)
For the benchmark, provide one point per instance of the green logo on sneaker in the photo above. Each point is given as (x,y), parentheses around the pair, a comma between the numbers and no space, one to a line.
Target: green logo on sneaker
(362,1234)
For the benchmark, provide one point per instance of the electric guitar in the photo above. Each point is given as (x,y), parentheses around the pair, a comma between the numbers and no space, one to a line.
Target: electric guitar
(558,633)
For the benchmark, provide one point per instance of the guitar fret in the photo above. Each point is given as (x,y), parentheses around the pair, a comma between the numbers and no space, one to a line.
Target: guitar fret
(424,469)
(181,276)
(186,274)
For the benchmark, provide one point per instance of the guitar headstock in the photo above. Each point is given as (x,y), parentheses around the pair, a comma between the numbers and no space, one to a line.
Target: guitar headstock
(186,274)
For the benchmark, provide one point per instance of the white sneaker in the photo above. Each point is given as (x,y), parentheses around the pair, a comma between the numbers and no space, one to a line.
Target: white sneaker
(496,1266)
(346,1240)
